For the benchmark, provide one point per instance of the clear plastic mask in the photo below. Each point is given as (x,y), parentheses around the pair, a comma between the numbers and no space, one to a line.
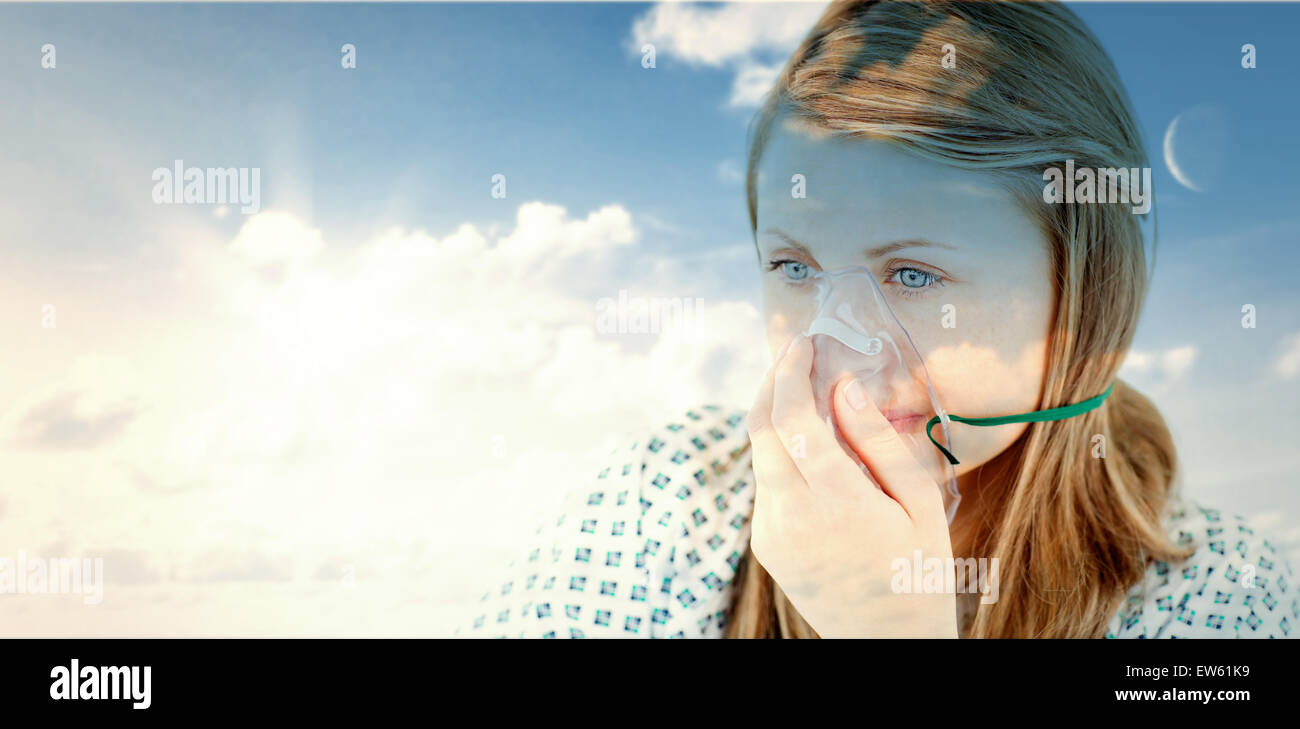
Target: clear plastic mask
(855,334)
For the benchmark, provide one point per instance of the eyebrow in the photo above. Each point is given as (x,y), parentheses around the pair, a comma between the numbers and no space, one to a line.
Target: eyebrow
(877,252)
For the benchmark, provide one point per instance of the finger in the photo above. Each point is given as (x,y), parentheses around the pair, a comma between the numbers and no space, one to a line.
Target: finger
(808,439)
(775,474)
(886,455)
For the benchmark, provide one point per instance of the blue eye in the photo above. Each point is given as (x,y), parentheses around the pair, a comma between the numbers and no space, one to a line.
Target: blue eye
(794,270)
(915,278)
(914,281)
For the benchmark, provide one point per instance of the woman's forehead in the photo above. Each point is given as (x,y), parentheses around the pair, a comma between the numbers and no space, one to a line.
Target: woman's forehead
(839,169)
(825,190)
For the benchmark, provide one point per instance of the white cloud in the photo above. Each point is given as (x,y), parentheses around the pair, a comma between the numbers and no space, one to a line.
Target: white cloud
(376,405)
(753,80)
(93,403)
(730,172)
(1176,362)
(544,231)
(1169,364)
(751,38)
(276,237)
(1287,365)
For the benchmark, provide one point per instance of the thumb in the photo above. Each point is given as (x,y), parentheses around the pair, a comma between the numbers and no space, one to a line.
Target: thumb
(870,434)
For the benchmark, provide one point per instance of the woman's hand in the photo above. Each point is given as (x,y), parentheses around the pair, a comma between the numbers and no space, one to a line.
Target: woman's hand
(822,528)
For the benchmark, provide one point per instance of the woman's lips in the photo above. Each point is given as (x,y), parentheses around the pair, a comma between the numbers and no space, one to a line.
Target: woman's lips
(904,422)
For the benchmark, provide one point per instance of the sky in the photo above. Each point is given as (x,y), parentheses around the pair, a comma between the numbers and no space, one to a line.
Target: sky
(338,415)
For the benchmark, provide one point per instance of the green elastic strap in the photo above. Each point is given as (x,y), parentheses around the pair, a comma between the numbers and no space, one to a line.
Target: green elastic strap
(1037,416)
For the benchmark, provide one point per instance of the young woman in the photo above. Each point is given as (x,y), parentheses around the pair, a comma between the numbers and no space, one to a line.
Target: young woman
(920,135)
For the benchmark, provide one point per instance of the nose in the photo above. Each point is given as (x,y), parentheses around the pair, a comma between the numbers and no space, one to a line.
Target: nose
(836,359)
(847,336)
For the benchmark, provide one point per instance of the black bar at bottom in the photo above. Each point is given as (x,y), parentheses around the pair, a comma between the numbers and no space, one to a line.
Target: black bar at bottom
(246,678)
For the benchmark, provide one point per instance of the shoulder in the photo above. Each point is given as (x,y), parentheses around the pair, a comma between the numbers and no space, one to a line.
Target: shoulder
(645,547)
(1236,584)
(697,495)
(693,466)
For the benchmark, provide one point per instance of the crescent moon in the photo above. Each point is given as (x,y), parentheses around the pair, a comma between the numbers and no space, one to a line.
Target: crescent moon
(1172,162)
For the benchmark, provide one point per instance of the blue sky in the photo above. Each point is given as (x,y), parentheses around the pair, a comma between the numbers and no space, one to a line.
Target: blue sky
(549,93)
(445,96)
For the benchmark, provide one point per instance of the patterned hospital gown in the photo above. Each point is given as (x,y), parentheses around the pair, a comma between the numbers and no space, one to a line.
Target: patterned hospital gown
(650,546)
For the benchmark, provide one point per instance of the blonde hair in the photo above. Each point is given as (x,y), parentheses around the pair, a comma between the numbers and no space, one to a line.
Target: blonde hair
(1030,89)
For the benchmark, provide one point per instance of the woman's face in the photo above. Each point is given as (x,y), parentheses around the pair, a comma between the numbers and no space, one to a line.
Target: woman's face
(944,237)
